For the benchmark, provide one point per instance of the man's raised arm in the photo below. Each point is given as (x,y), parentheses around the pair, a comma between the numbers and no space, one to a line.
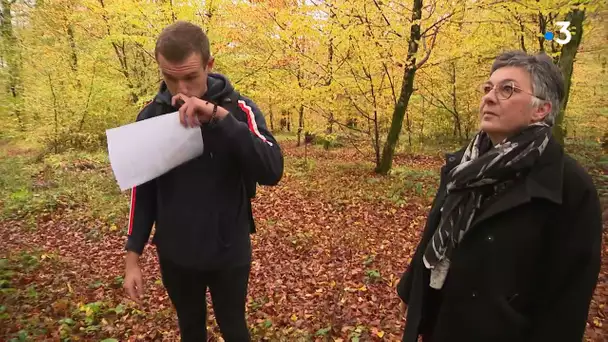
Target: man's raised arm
(255,145)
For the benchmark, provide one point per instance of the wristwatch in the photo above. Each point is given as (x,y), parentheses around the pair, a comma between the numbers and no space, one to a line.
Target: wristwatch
(213,119)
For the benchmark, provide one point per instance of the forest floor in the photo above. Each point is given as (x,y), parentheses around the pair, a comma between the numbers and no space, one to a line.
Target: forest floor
(332,241)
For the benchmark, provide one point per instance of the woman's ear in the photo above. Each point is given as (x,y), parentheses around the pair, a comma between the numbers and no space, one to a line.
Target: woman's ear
(541,111)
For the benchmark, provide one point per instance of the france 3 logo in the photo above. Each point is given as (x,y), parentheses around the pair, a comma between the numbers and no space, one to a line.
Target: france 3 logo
(563,25)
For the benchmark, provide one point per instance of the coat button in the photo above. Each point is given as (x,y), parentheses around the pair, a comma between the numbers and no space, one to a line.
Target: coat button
(490,238)
(473,294)
(451,159)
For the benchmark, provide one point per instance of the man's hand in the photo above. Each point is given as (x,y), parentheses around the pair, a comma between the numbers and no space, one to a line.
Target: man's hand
(134,283)
(193,111)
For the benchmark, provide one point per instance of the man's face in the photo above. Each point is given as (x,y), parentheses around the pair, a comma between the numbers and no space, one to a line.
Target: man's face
(188,77)
(502,117)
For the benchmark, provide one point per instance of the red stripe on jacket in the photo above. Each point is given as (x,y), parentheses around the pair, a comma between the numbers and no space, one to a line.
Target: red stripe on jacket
(132,210)
(253,126)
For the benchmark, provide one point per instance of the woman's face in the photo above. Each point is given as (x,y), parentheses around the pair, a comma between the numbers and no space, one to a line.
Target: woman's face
(508,107)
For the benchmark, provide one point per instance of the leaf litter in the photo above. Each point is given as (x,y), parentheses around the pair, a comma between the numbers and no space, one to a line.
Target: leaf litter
(332,242)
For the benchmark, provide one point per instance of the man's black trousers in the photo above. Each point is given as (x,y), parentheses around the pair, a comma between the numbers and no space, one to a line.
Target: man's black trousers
(187,290)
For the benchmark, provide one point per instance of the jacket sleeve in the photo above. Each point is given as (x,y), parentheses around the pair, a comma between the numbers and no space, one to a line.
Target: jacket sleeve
(142,214)
(142,211)
(404,286)
(256,148)
(574,256)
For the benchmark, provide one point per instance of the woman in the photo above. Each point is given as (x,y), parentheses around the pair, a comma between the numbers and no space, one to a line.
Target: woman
(511,248)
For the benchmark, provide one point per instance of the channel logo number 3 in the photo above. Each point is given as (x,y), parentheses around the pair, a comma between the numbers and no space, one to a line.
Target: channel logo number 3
(563,25)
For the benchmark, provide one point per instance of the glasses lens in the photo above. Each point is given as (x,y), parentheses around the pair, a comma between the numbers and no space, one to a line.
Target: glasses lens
(485,88)
(505,90)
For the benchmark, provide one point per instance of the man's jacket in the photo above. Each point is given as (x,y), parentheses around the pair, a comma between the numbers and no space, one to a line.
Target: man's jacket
(201,209)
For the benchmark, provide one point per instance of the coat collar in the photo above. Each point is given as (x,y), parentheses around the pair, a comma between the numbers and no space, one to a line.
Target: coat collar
(544,180)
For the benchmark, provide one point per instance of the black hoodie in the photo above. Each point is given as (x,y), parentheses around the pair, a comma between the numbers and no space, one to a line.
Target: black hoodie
(200,209)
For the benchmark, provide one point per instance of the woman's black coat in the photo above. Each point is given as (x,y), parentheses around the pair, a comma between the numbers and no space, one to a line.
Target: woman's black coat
(526,269)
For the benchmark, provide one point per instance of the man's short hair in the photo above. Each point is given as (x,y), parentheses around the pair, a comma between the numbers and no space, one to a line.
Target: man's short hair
(547,78)
(180,40)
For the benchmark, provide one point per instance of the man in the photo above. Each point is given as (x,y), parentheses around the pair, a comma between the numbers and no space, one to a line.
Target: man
(511,250)
(201,209)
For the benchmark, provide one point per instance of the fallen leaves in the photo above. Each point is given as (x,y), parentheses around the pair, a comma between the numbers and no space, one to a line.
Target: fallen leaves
(331,245)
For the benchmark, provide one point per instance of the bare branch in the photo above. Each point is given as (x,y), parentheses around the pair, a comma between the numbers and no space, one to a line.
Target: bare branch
(429,50)
(332,120)
(356,77)
(148,53)
(274,18)
(86,107)
(441,104)
(353,102)
(437,23)
(431,9)
(386,19)
(255,71)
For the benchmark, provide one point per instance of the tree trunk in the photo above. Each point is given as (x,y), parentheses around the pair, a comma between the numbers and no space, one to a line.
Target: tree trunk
(56,117)
(542,28)
(271,119)
(422,115)
(377,143)
(522,32)
(300,124)
(409,128)
(173,16)
(407,88)
(122,57)
(72,42)
(566,65)
(11,56)
(457,120)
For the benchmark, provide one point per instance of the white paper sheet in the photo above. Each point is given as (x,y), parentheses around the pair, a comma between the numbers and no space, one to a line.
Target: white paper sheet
(146,149)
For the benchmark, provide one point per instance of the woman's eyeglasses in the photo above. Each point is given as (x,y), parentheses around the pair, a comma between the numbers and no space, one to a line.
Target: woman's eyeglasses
(504,90)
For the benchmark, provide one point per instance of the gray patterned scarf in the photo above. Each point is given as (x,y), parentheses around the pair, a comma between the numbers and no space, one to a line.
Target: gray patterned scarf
(478,168)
